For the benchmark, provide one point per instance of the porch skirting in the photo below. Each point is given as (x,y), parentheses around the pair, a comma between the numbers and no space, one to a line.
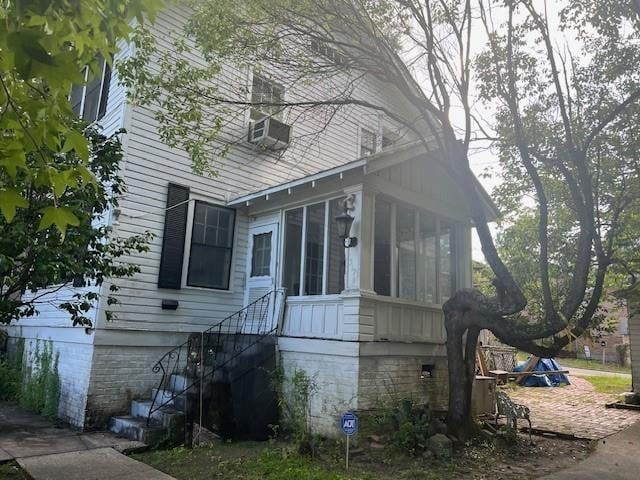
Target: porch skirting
(364,375)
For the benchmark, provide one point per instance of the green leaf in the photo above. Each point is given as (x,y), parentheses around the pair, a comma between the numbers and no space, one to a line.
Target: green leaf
(61,217)
(10,200)
(76,141)
(12,160)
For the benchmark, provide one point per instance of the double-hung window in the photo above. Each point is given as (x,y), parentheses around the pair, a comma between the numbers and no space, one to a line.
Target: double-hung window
(314,256)
(211,246)
(89,101)
(368,142)
(414,253)
(265,97)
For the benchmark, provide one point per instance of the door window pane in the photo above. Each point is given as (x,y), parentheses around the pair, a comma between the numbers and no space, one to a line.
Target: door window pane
(292,251)
(261,255)
(314,267)
(447,262)
(406,248)
(211,246)
(427,260)
(335,260)
(382,248)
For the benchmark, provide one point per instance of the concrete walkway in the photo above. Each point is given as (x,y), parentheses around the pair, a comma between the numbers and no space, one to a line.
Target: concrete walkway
(616,458)
(47,452)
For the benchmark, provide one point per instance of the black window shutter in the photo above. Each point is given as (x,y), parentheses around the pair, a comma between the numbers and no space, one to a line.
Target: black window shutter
(175,228)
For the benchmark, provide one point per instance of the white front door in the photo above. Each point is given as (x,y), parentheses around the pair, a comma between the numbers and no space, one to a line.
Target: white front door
(261,277)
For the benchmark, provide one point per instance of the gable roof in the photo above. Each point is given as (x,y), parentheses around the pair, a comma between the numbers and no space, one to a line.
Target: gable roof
(369,164)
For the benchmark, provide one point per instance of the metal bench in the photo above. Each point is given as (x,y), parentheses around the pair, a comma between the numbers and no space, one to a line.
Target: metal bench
(512,411)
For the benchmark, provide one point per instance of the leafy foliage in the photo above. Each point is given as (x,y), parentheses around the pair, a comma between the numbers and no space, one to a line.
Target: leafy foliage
(45,45)
(596,82)
(36,264)
(41,381)
(411,426)
(294,397)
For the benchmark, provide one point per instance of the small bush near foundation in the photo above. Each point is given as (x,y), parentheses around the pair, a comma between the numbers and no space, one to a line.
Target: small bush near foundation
(10,381)
(405,426)
(294,394)
(41,381)
(11,375)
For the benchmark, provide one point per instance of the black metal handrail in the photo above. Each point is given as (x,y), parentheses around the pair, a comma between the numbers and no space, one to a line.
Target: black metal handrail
(204,353)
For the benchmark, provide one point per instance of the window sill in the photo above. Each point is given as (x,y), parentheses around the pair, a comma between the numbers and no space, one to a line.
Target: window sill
(206,289)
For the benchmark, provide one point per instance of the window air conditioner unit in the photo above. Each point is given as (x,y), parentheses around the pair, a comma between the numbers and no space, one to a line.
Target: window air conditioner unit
(270,133)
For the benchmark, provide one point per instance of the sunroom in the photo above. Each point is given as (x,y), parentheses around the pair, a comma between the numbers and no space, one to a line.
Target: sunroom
(407,249)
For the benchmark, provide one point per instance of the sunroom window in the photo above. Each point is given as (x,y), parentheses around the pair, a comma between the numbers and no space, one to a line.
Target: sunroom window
(313,253)
(414,253)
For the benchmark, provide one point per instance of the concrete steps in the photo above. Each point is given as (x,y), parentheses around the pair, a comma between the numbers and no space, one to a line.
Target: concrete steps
(136,428)
(166,423)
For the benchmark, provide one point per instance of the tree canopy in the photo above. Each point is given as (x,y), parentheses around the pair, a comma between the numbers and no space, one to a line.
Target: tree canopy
(44,47)
(39,266)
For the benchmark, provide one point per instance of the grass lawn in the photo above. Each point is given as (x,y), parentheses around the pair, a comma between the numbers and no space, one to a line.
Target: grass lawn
(612,385)
(278,461)
(592,365)
(582,363)
(11,471)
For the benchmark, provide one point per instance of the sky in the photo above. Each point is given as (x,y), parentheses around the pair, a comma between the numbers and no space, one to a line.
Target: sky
(482,159)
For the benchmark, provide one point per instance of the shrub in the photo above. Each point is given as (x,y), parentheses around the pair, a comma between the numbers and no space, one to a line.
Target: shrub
(405,425)
(41,381)
(10,382)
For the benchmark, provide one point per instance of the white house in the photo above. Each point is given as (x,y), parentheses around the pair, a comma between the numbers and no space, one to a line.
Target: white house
(361,321)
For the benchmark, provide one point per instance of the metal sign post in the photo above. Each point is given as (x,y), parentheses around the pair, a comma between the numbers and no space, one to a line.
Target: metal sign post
(349,426)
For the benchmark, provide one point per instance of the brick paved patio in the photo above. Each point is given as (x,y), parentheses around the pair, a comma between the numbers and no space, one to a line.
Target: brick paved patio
(575,409)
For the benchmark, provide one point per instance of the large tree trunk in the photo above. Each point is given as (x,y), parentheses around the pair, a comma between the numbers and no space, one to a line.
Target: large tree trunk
(461,358)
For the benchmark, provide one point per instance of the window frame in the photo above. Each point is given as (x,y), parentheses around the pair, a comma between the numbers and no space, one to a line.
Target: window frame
(256,110)
(303,251)
(455,251)
(188,246)
(252,253)
(103,91)
(361,146)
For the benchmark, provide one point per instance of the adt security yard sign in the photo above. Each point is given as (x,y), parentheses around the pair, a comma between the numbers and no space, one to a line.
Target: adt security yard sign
(349,424)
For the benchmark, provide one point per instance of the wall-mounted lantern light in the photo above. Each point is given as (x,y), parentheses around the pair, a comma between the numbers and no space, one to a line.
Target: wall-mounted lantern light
(344,222)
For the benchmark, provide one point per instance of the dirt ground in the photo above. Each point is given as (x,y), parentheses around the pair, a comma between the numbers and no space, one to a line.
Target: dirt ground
(244,460)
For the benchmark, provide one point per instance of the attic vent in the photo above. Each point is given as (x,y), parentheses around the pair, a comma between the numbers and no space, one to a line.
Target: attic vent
(270,132)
